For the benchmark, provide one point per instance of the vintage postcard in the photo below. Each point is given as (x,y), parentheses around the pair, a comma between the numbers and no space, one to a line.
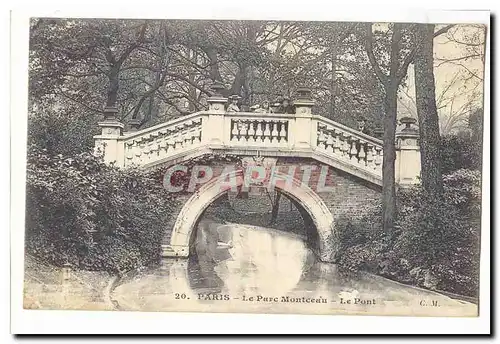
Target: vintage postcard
(254,166)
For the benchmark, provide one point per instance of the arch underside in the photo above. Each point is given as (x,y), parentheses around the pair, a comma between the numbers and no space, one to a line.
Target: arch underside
(195,206)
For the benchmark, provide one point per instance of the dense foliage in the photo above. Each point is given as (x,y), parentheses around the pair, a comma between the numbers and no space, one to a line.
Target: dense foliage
(156,70)
(93,216)
(461,151)
(436,246)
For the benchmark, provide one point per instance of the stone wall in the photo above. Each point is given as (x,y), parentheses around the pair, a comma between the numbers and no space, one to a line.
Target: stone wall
(346,194)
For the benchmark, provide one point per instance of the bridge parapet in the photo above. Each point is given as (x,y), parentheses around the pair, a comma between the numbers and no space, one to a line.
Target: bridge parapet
(248,133)
(349,145)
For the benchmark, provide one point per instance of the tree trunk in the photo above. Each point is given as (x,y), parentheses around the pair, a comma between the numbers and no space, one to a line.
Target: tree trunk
(113,86)
(333,82)
(214,64)
(192,55)
(431,169)
(389,158)
(239,79)
(276,207)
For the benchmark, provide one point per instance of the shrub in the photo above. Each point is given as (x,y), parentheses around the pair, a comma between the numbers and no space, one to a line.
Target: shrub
(46,123)
(94,216)
(361,240)
(437,246)
(461,151)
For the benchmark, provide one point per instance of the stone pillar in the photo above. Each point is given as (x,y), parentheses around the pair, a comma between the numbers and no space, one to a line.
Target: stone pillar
(304,131)
(378,133)
(214,128)
(108,144)
(407,153)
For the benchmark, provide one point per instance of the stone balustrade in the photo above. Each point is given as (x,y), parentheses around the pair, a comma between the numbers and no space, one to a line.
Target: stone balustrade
(248,133)
(250,129)
(160,142)
(349,145)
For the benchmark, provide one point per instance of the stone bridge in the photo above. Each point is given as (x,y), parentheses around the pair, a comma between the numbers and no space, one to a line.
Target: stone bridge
(325,168)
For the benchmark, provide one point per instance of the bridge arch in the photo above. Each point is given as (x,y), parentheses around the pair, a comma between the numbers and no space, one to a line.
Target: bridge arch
(192,210)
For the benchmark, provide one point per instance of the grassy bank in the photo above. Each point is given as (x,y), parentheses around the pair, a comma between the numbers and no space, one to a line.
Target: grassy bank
(48,287)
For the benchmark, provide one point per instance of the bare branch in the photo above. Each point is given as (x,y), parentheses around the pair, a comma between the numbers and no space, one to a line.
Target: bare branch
(468,70)
(134,45)
(443,61)
(443,30)
(83,103)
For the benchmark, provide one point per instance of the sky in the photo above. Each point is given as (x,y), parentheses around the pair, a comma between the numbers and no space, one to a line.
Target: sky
(458,64)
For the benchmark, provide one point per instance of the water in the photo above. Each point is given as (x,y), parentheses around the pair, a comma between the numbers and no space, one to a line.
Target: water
(241,268)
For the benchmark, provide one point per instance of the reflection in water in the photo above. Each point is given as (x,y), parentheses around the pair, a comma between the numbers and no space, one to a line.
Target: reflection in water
(250,259)
(235,263)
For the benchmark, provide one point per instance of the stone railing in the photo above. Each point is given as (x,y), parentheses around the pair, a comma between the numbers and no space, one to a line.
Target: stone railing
(164,140)
(301,134)
(349,145)
(255,129)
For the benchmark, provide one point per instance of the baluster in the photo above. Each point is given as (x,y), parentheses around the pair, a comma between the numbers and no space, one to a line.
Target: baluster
(283,133)
(200,134)
(162,147)
(197,135)
(274,132)
(251,132)
(178,141)
(267,133)
(362,153)
(170,145)
(130,152)
(336,142)
(329,142)
(145,152)
(259,132)
(138,151)
(234,132)
(264,132)
(344,146)
(184,132)
(151,146)
(353,152)
(184,137)
(156,147)
(243,131)
(190,134)
(159,142)
(378,157)
(321,138)
(369,155)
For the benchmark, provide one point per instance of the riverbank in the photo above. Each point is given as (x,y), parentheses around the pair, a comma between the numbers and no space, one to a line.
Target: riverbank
(49,287)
